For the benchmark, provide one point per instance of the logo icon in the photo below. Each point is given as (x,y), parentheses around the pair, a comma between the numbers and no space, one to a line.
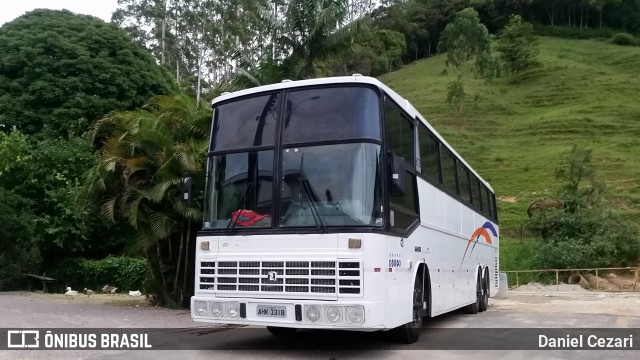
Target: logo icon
(477,234)
(272,276)
(23,339)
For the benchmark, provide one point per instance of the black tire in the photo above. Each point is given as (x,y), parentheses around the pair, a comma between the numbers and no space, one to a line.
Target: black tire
(484,303)
(475,307)
(281,331)
(409,333)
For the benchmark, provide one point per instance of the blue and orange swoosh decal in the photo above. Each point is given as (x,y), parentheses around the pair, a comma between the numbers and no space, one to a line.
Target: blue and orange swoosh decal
(480,232)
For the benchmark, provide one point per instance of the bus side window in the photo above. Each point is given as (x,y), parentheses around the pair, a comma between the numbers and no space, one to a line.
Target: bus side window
(404,209)
(492,205)
(485,200)
(449,171)
(463,182)
(475,192)
(495,208)
(399,132)
(429,155)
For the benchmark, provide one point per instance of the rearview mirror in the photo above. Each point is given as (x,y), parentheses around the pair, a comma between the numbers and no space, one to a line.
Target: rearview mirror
(398,175)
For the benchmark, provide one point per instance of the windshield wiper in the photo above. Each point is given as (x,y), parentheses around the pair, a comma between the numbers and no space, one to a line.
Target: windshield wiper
(305,185)
(232,222)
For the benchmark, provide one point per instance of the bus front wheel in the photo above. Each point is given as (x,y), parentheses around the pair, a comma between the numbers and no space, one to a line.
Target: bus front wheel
(410,332)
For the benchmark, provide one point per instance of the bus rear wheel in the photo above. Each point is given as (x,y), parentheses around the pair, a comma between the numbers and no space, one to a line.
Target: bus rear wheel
(484,301)
(409,333)
(281,331)
(475,307)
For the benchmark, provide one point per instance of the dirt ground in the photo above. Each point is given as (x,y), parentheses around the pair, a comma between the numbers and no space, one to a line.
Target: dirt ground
(612,282)
(32,309)
(115,299)
(621,281)
(618,304)
(616,297)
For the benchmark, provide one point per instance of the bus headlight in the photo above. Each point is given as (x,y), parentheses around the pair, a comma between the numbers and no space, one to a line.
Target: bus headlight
(233,309)
(312,313)
(200,308)
(216,310)
(355,314)
(334,314)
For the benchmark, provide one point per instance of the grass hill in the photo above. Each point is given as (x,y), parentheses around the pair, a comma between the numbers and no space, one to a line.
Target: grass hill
(585,92)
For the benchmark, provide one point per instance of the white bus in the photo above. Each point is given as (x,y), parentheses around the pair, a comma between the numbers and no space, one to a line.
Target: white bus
(333,204)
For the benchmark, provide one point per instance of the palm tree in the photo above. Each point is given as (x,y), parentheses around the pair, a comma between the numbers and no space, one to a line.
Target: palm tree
(314,30)
(144,156)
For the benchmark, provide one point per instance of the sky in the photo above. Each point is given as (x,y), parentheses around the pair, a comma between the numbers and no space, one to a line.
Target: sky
(11,9)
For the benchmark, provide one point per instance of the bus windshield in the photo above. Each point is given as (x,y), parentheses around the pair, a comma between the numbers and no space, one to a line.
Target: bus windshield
(331,185)
(329,162)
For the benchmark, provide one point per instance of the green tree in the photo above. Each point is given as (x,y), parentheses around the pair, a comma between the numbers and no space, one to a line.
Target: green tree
(44,176)
(518,46)
(580,186)
(376,52)
(18,251)
(587,232)
(314,32)
(144,157)
(456,94)
(60,71)
(465,40)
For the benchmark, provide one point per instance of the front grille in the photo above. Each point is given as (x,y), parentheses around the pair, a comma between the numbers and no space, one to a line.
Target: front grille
(342,277)
(207,275)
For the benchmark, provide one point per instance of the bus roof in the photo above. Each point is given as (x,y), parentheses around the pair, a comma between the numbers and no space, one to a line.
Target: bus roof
(355,79)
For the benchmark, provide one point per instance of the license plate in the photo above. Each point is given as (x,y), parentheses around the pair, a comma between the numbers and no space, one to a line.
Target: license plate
(271,311)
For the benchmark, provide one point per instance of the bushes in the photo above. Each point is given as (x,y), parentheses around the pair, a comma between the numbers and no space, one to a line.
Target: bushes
(18,253)
(591,238)
(624,39)
(123,272)
(570,32)
(585,234)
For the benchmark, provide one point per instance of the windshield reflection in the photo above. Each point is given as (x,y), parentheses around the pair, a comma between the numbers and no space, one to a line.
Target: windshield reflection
(241,188)
(331,185)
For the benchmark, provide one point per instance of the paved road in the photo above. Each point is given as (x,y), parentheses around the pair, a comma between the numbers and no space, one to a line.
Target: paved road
(257,343)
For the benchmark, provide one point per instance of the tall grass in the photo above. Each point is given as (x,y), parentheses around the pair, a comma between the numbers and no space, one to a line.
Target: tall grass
(584,92)
(515,134)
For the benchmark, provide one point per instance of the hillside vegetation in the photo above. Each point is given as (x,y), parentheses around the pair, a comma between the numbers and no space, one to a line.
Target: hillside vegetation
(584,92)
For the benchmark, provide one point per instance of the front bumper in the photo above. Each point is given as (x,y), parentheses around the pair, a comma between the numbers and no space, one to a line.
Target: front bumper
(297,313)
